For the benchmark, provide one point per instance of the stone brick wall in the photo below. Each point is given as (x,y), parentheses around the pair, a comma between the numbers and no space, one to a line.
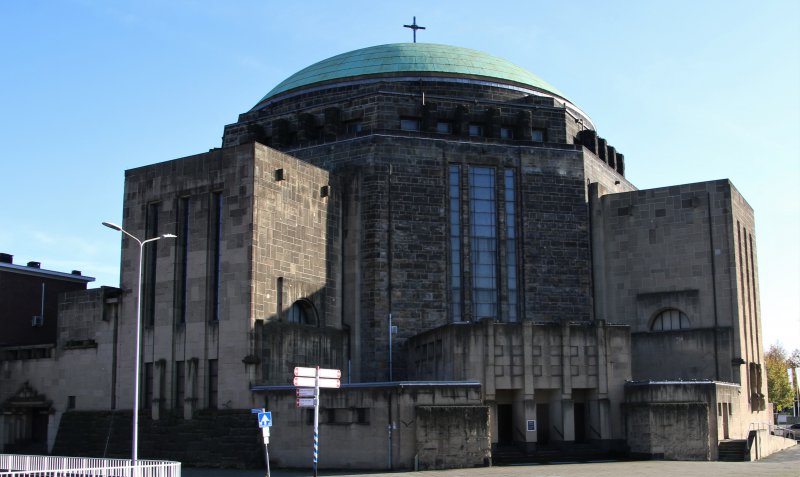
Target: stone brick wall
(671,431)
(676,420)
(670,248)
(556,259)
(291,221)
(374,426)
(688,352)
(228,174)
(452,436)
(285,346)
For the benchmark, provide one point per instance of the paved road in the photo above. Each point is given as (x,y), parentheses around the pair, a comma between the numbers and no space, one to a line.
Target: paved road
(782,464)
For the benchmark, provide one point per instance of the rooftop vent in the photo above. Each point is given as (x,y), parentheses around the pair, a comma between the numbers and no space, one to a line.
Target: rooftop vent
(76,272)
(6,258)
(35,264)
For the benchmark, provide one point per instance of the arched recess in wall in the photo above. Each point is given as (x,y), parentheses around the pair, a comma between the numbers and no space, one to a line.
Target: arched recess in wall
(303,312)
(669,319)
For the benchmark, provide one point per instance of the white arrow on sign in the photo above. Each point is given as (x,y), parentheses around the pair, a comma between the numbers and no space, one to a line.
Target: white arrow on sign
(323,373)
(306,402)
(311,382)
(304,392)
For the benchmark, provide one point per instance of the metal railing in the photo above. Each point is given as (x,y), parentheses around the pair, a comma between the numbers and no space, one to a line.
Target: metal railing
(51,466)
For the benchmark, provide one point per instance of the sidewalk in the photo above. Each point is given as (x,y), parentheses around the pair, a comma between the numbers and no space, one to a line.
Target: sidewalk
(782,464)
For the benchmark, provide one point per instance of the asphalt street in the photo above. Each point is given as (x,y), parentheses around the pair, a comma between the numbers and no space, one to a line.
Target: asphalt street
(781,464)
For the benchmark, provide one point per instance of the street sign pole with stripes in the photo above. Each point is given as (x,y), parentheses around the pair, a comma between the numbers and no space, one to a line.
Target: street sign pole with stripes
(304,378)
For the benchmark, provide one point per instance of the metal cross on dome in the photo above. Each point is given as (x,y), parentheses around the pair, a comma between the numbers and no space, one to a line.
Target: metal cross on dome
(414,27)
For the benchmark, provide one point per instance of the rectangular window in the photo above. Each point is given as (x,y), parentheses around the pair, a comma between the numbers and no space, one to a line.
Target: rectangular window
(212,384)
(537,135)
(149,260)
(148,385)
(444,127)
(216,252)
(279,298)
(506,133)
(353,127)
(511,246)
(362,415)
(409,124)
(455,244)
(180,386)
(475,130)
(483,241)
(182,288)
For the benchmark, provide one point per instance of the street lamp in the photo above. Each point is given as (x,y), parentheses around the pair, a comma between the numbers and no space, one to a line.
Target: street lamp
(135,451)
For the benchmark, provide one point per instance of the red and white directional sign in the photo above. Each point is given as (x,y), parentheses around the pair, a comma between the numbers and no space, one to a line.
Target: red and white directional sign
(304,392)
(311,382)
(323,373)
(306,402)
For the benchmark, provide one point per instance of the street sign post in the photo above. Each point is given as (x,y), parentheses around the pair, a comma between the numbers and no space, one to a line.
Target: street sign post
(308,382)
(323,373)
(264,422)
(306,402)
(312,382)
(264,419)
(305,392)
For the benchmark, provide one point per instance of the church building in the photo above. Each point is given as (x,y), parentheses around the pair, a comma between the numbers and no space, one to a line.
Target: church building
(452,233)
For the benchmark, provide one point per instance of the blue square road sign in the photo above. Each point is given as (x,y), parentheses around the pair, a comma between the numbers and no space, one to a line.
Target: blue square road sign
(265,419)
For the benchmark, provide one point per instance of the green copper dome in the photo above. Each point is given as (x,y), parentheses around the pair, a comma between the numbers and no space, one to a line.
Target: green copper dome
(414,59)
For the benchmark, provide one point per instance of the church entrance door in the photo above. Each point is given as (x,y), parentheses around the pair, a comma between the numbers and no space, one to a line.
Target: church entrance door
(542,423)
(580,421)
(505,424)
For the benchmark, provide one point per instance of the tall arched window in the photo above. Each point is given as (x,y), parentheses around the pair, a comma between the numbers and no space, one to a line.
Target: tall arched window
(670,319)
(302,312)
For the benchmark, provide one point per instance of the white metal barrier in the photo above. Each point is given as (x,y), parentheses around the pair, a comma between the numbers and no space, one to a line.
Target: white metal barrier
(51,466)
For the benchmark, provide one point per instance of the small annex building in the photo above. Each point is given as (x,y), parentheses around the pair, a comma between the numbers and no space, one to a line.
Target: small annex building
(455,235)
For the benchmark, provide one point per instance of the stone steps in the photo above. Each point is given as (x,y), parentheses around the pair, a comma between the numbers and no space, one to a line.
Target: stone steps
(567,452)
(733,450)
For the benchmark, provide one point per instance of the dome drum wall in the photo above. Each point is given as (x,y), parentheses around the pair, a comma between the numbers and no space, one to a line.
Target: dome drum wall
(451,110)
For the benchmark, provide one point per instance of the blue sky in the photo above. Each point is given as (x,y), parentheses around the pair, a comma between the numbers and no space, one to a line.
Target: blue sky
(688,90)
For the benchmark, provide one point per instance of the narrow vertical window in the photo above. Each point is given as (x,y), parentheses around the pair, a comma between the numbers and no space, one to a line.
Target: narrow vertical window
(279,297)
(212,383)
(182,288)
(754,294)
(455,244)
(180,386)
(483,241)
(216,252)
(742,287)
(511,246)
(150,257)
(148,385)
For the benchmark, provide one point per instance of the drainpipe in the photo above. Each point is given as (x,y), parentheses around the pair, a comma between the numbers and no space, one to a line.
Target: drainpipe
(389,263)
(391,464)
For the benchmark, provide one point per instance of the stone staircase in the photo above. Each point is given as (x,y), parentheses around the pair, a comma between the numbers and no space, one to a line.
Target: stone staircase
(220,438)
(733,450)
(564,452)
(94,434)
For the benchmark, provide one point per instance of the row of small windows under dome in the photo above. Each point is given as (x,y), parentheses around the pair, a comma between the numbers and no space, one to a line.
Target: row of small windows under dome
(476,130)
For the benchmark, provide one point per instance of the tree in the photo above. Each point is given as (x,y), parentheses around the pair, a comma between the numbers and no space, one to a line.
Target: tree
(780,392)
(794,362)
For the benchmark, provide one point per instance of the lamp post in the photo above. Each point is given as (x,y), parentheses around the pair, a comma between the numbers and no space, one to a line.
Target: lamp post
(135,450)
